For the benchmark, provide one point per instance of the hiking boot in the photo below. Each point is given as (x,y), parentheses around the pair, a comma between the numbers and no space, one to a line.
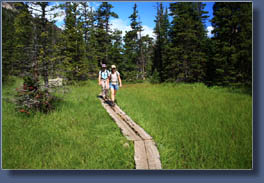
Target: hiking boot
(112,104)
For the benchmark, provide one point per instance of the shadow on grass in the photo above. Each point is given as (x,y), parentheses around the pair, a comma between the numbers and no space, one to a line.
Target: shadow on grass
(107,101)
(235,88)
(240,90)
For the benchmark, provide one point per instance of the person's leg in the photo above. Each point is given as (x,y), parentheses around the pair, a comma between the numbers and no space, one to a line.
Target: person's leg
(106,93)
(115,90)
(106,90)
(103,87)
(115,93)
(112,94)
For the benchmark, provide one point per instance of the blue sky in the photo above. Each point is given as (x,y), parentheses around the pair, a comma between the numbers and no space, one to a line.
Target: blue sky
(147,13)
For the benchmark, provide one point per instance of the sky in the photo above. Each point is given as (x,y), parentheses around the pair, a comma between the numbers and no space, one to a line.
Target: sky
(147,13)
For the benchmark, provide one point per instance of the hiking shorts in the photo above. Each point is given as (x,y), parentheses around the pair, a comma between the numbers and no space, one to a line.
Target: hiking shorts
(115,87)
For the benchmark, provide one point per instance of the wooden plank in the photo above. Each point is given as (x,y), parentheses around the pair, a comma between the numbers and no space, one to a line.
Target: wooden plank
(140,131)
(127,132)
(140,155)
(119,110)
(146,154)
(152,155)
(125,129)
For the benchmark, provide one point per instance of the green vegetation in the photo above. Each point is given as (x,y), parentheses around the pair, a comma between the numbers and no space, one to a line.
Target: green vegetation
(180,51)
(232,62)
(195,127)
(79,134)
(184,58)
(136,50)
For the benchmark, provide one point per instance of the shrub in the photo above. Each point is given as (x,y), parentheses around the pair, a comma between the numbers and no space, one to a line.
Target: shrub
(31,97)
(155,77)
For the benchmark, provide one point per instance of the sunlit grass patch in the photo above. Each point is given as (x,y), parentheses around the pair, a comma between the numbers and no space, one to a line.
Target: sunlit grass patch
(78,134)
(195,127)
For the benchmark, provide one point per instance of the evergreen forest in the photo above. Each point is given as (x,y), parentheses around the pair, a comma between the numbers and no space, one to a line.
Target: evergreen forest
(32,45)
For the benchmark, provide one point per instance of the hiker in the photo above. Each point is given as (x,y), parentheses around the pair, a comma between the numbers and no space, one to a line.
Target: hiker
(114,79)
(103,81)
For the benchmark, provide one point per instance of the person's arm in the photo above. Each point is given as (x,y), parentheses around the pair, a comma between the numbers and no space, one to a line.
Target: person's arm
(99,79)
(119,80)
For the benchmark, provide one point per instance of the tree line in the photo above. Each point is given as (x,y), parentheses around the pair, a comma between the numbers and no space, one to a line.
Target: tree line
(180,52)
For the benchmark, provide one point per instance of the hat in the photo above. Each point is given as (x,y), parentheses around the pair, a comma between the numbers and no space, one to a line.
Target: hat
(113,66)
(103,65)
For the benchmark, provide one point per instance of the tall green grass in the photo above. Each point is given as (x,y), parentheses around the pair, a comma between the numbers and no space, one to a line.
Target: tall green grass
(195,127)
(79,134)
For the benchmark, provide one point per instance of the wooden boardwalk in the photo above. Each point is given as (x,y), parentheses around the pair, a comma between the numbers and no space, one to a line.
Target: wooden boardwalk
(146,154)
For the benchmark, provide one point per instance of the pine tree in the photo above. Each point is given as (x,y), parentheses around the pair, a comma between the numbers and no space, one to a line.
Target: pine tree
(116,51)
(160,50)
(232,24)
(87,21)
(23,24)
(92,53)
(104,13)
(133,46)
(8,43)
(210,50)
(55,56)
(86,17)
(73,43)
(146,56)
(187,35)
(42,39)
(31,36)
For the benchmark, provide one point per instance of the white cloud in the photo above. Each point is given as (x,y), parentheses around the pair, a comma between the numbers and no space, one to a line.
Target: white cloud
(60,14)
(209,31)
(35,10)
(81,9)
(120,24)
(148,30)
(124,25)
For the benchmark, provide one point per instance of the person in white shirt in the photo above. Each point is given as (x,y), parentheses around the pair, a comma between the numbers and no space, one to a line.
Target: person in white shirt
(114,80)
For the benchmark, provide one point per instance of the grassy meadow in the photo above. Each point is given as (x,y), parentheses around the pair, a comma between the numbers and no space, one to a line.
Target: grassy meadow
(79,134)
(194,127)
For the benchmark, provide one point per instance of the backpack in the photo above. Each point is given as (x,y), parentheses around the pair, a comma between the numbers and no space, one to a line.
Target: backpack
(102,73)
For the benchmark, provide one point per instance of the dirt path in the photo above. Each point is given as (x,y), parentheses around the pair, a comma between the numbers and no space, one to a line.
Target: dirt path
(146,154)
